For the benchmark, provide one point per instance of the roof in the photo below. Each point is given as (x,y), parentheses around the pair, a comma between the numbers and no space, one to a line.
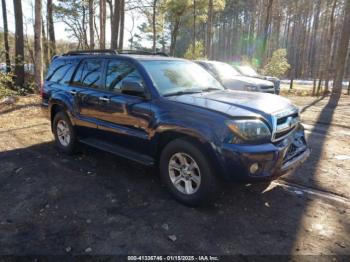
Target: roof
(108,53)
(210,62)
(150,57)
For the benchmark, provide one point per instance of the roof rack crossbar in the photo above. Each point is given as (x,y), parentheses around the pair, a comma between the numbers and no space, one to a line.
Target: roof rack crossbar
(141,52)
(94,51)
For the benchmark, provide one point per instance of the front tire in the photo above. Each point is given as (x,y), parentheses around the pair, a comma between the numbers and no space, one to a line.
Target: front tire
(188,173)
(64,133)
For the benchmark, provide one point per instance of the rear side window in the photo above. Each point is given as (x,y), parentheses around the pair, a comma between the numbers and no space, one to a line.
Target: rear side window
(89,73)
(60,71)
(117,71)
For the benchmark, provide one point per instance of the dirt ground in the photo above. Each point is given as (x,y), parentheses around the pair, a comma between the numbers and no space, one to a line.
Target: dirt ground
(96,203)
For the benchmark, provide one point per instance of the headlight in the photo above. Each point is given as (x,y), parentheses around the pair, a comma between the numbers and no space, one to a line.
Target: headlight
(249,131)
(251,88)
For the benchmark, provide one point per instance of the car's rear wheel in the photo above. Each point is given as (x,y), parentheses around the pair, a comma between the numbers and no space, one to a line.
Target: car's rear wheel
(64,133)
(188,173)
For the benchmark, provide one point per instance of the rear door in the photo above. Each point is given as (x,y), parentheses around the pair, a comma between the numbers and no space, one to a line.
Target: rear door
(87,87)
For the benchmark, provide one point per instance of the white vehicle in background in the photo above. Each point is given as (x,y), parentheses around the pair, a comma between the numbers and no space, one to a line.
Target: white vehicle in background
(28,68)
(3,68)
(232,79)
(250,72)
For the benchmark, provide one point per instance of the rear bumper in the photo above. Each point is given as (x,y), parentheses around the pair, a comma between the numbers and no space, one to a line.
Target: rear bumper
(273,160)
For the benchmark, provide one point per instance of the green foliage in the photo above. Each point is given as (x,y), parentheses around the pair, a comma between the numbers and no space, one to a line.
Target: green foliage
(177,7)
(8,88)
(6,83)
(199,51)
(278,64)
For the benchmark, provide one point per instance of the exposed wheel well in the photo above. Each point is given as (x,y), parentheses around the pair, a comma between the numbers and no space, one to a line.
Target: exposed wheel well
(167,137)
(54,110)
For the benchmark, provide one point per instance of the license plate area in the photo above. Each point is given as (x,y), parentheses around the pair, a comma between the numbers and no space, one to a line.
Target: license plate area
(296,148)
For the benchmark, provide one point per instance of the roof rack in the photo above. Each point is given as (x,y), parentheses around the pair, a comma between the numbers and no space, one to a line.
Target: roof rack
(141,52)
(94,51)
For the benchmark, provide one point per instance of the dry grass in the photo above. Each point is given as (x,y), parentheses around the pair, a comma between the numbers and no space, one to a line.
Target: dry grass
(25,111)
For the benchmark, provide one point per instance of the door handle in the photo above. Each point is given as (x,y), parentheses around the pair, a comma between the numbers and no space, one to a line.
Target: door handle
(105,99)
(73,92)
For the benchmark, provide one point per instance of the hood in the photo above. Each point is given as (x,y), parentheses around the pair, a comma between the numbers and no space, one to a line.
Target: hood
(238,103)
(249,80)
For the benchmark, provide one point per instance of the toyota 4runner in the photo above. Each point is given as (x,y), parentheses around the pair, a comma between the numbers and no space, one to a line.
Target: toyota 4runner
(170,112)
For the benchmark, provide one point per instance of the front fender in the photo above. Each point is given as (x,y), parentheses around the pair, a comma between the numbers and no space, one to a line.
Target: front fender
(208,129)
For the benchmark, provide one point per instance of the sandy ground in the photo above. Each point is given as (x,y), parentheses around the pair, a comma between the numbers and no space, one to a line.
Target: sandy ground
(96,203)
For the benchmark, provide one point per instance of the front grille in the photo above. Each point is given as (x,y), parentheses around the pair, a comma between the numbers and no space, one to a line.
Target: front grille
(266,87)
(285,125)
(282,120)
(281,134)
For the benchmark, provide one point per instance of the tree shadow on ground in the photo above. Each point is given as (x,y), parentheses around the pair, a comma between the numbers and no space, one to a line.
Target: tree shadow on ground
(18,107)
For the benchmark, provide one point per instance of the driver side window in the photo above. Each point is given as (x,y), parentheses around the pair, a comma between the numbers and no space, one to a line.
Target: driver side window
(117,72)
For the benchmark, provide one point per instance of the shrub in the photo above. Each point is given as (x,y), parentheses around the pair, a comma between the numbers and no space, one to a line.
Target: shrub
(199,51)
(6,84)
(278,64)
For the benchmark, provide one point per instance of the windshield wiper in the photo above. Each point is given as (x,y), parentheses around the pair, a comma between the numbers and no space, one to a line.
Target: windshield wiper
(179,93)
(211,89)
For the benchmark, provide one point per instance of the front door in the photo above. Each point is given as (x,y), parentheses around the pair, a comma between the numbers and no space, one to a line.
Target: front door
(122,119)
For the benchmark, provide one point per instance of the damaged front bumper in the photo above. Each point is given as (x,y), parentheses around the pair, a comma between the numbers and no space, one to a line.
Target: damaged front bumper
(267,161)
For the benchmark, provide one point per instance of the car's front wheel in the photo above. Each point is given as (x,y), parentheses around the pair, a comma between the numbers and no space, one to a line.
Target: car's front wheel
(64,133)
(187,173)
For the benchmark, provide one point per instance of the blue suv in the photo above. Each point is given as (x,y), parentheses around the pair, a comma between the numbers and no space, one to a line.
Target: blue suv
(170,112)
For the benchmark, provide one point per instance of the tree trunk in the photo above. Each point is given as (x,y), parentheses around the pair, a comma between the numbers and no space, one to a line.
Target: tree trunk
(96,31)
(328,52)
(174,33)
(110,4)
(91,24)
(266,30)
(194,30)
(38,65)
(102,24)
(342,51)
(45,46)
(83,28)
(115,25)
(209,29)
(313,46)
(319,86)
(51,29)
(122,20)
(154,26)
(294,48)
(19,48)
(6,40)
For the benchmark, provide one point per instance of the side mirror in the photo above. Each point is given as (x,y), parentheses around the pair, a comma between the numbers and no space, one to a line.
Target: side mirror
(134,88)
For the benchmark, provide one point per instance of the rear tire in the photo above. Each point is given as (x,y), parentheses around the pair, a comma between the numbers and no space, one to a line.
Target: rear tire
(65,136)
(188,173)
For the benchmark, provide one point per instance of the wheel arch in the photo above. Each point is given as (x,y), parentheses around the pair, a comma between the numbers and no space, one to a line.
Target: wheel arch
(56,106)
(204,145)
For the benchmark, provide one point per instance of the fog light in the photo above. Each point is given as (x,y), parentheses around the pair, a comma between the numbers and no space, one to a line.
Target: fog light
(254,168)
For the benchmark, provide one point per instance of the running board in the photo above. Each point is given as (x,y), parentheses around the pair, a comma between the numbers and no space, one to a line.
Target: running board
(119,151)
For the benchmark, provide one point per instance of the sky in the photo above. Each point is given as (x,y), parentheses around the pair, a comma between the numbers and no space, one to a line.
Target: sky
(60,33)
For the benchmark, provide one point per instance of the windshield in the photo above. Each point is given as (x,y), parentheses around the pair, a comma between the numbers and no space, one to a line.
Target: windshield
(224,70)
(248,71)
(177,76)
